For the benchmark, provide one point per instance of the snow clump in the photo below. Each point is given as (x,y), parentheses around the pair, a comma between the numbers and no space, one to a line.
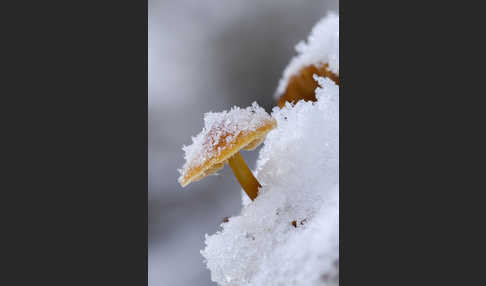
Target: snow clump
(289,234)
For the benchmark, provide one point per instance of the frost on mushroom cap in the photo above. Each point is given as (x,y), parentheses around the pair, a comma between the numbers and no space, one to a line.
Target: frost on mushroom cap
(321,48)
(224,134)
(298,170)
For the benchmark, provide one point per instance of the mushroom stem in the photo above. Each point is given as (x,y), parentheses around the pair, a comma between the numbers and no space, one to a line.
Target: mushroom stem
(244,175)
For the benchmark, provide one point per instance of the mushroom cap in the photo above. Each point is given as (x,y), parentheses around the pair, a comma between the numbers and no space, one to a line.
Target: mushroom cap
(319,54)
(302,86)
(224,134)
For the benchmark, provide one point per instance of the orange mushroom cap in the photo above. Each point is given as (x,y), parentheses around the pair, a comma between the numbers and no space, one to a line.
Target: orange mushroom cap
(319,55)
(302,86)
(224,134)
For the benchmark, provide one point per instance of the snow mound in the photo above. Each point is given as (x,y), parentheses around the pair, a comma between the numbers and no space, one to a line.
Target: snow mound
(289,234)
(217,126)
(322,47)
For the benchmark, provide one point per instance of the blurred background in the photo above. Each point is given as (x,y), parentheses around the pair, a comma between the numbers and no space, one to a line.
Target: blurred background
(207,56)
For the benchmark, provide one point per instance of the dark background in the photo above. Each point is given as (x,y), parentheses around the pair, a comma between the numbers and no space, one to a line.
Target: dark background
(207,56)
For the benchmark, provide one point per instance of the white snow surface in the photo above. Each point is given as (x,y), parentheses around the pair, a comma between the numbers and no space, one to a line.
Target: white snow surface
(217,125)
(298,170)
(322,47)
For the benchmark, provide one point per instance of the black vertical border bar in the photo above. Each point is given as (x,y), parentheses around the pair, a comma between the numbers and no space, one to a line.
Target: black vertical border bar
(76,201)
(385,107)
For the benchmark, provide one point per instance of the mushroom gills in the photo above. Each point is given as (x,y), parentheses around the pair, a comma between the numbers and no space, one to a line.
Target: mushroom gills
(253,144)
(214,168)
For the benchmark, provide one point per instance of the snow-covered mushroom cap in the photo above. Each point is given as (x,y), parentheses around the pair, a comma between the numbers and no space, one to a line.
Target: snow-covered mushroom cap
(224,134)
(319,55)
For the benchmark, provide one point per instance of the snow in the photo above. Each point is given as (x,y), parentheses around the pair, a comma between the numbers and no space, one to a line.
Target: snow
(322,47)
(289,234)
(218,126)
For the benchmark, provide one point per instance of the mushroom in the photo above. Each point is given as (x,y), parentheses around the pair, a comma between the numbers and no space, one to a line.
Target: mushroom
(223,136)
(319,55)
(302,86)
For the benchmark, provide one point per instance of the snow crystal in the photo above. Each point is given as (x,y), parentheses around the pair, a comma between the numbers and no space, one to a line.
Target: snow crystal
(322,47)
(289,234)
(220,126)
